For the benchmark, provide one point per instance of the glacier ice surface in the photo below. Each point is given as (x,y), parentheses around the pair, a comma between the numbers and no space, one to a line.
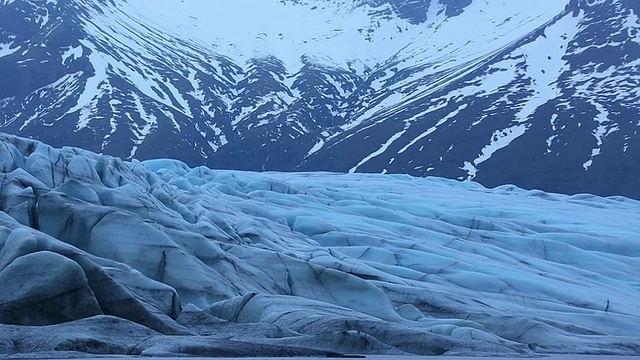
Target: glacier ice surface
(154,258)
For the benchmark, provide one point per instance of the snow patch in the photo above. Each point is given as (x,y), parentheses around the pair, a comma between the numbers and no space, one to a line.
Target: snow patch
(150,123)
(381,150)
(632,24)
(603,129)
(73,53)
(378,109)
(432,129)
(499,140)
(6,50)
(545,64)
(316,147)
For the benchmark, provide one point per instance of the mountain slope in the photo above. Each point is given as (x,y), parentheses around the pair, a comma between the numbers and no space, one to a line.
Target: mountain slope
(540,96)
(160,259)
(548,100)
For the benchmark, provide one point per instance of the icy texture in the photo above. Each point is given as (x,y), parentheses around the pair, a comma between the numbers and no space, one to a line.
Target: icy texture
(240,263)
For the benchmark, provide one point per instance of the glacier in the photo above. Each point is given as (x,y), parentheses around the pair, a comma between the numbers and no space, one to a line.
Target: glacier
(104,256)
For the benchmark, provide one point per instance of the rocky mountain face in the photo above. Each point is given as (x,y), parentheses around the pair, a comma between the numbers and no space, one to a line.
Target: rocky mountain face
(542,96)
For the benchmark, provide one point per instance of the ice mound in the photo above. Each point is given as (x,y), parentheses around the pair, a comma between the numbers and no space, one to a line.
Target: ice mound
(155,258)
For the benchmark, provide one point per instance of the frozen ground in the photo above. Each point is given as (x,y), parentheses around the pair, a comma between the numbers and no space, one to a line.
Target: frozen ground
(102,256)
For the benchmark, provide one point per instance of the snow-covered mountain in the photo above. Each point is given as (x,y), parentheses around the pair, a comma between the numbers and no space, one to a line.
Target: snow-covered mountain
(102,256)
(540,93)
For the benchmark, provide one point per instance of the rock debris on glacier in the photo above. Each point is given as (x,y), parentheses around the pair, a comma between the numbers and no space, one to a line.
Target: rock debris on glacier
(103,256)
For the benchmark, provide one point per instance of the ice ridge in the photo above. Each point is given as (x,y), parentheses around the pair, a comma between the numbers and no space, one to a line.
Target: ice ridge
(103,256)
